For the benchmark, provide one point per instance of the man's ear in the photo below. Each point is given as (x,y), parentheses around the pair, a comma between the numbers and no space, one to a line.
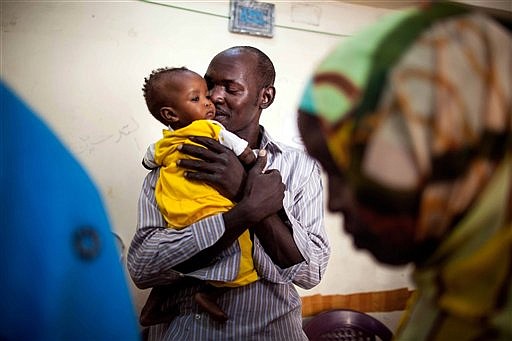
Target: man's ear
(267,95)
(169,115)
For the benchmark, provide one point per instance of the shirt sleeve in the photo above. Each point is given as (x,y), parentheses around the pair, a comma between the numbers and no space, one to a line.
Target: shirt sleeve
(156,249)
(232,141)
(307,219)
(149,158)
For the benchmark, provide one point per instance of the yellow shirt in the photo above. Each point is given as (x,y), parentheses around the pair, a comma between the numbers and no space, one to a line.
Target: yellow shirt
(184,202)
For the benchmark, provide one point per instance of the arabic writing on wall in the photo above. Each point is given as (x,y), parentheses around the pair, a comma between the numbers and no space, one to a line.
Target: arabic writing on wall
(87,143)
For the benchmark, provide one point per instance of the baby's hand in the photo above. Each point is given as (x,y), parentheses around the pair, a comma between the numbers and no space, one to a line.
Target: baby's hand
(247,158)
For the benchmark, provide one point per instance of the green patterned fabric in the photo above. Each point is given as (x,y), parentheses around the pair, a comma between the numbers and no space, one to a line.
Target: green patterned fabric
(416,112)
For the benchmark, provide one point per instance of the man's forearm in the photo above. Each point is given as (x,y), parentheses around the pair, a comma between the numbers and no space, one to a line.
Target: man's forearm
(276,237)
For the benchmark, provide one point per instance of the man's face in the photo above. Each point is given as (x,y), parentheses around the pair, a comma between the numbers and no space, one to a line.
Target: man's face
(234,90)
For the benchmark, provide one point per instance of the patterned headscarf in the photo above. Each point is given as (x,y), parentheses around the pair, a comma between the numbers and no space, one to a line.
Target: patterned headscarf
(416,111)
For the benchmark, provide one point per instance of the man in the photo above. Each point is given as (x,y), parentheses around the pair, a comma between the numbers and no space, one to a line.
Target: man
(279,200)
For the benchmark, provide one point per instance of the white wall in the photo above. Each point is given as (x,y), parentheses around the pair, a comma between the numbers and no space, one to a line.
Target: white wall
(81,65)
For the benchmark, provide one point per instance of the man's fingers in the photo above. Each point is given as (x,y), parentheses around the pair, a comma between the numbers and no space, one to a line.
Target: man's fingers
(261,162)
(201,177)
(209,143)
(197,151)
(201,166)
(208,161)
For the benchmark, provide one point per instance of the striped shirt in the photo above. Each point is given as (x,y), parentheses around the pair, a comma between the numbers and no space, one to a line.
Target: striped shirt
(269,309)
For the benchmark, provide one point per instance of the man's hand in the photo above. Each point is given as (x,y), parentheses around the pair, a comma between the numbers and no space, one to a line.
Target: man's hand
(264,191)
(217,166)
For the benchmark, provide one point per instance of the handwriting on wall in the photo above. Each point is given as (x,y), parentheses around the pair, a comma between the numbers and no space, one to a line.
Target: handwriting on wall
(88,143)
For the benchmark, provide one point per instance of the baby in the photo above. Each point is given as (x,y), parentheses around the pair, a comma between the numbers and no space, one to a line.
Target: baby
(178,98)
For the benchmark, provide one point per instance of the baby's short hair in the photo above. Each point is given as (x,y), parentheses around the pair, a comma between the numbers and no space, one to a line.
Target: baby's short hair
(152,92)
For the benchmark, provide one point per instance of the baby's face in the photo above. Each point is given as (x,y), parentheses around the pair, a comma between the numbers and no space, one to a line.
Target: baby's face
(190,100)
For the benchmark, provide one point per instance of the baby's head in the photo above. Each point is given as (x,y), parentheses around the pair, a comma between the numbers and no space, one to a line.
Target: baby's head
(177,96)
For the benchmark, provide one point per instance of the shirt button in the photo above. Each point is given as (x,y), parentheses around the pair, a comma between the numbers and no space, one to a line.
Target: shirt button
(197,317)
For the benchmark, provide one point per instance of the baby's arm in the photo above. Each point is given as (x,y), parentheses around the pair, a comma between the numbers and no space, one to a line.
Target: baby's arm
(239,146)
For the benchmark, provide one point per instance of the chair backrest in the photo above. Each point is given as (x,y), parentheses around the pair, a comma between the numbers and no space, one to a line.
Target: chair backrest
(345,324)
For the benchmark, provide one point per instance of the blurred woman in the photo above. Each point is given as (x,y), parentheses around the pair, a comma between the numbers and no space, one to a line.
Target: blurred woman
(411,121)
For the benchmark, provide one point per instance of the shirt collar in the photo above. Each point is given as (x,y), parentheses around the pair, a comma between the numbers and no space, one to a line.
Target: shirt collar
(268,143)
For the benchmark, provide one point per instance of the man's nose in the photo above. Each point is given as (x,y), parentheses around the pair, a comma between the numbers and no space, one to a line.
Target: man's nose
(216,95)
